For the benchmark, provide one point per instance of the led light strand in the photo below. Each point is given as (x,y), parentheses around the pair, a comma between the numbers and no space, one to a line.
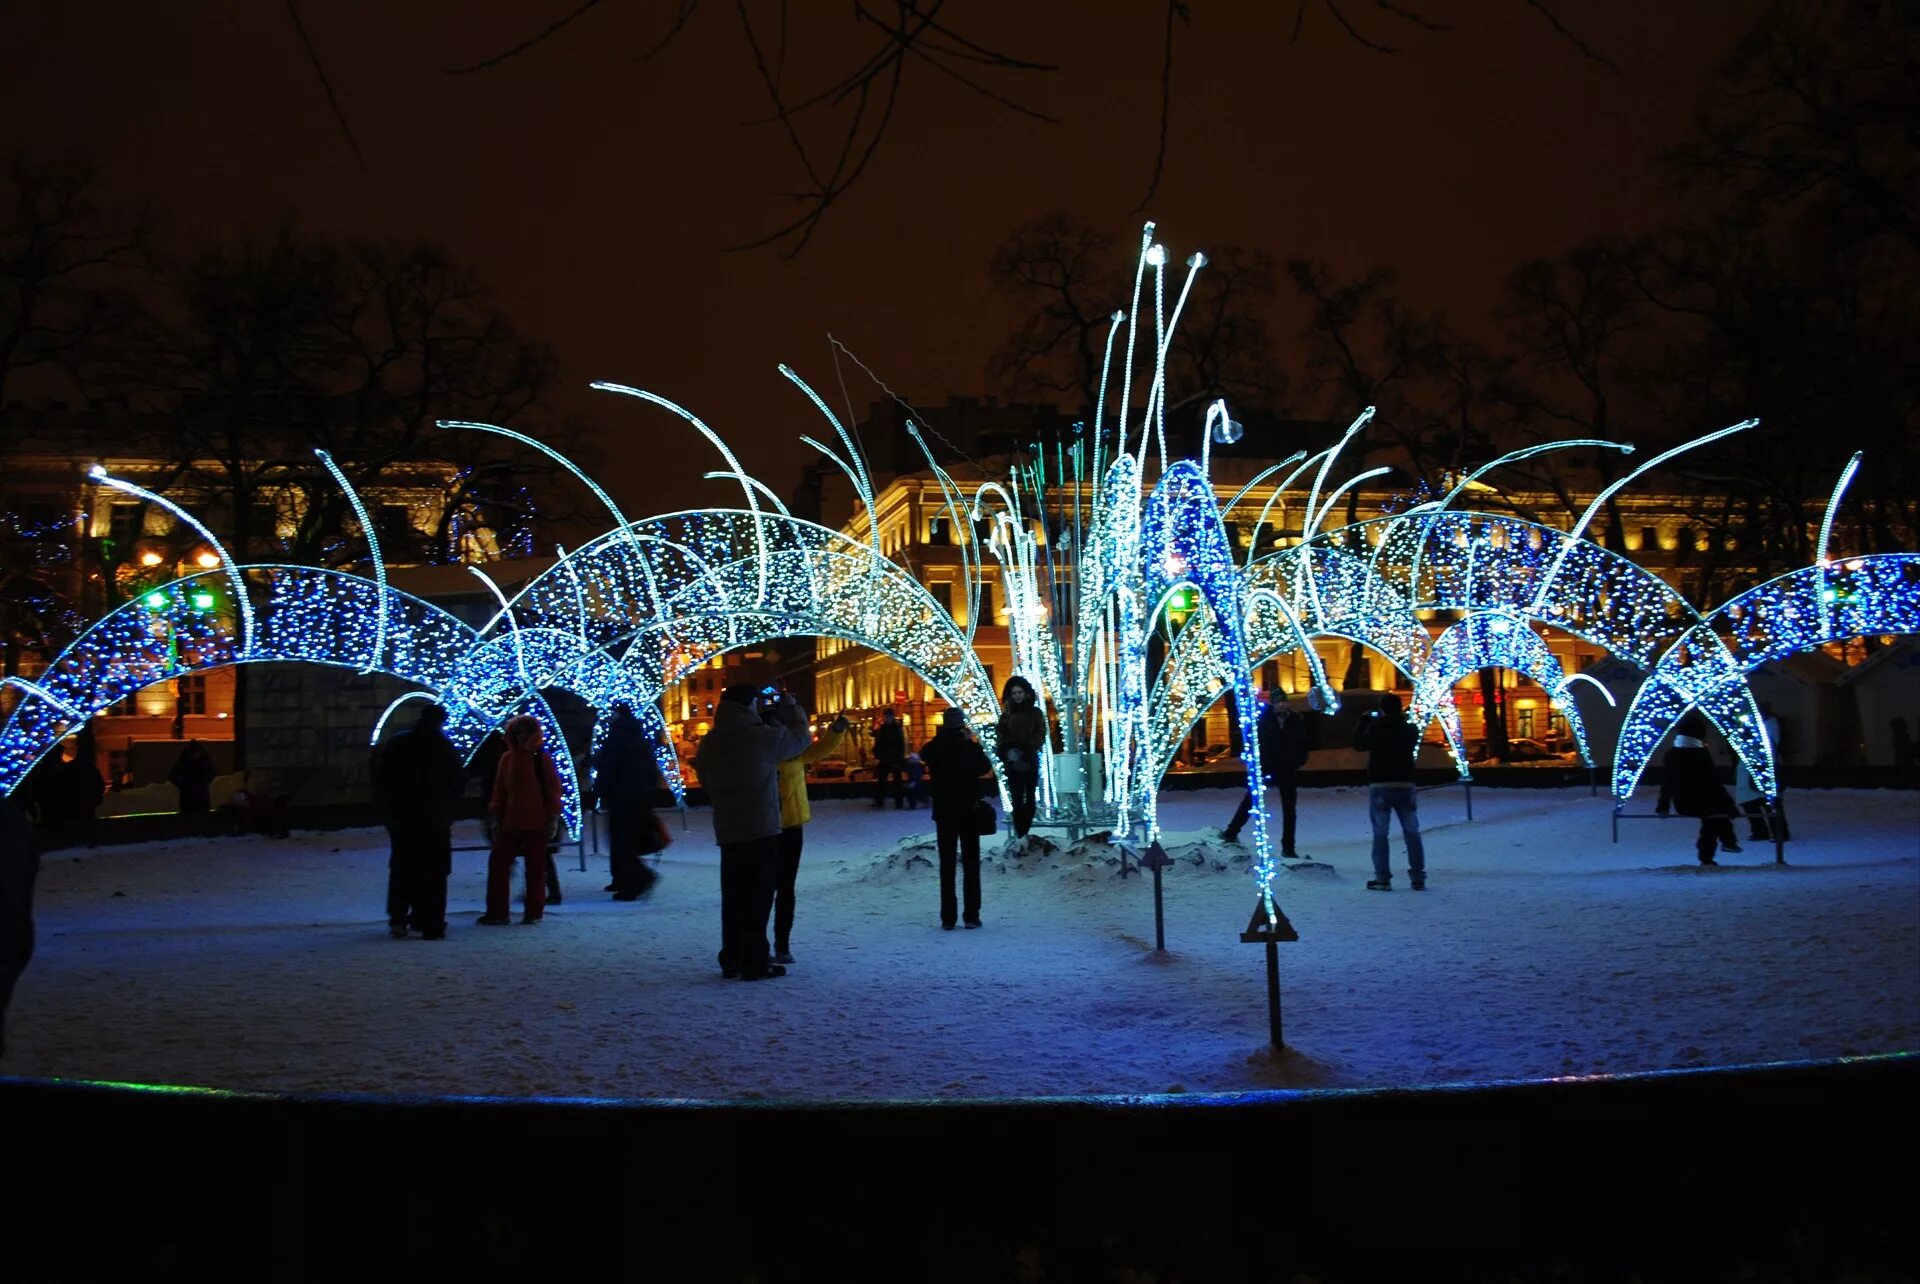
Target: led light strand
(234,577)
(373,550)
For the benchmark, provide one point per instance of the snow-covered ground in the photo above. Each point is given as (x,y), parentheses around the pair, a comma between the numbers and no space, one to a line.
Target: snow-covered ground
(1538,949)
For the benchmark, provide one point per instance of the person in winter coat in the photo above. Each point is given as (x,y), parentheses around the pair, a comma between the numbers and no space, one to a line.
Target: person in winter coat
(19,866)
(626,776)
(192,775)
(956,765)
(78,788)
(1391,743)
(419,781)
(795,812)
(1284,742)
(1019,737)
(739,764)
(889,761)
(525,807)
(1691,785)
(916,782)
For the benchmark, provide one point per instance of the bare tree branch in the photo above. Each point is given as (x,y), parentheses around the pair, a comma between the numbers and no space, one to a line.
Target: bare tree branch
(1334,8)
(870,89)
(537,38)
(687,8)
(1567,33)
(326,86)
(1174,8)
(1416,18)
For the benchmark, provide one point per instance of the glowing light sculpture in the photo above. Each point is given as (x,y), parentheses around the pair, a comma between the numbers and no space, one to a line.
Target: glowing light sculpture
(1128,608)
(1706,667)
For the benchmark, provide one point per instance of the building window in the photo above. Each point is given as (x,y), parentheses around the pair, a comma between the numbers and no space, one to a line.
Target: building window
(123,528)
(942,591)
(939,532)
(1649,537)
(1526,724)
(192,693)
(124,707)
(396,526)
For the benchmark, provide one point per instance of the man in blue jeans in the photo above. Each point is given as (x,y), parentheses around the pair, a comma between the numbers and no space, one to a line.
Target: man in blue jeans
(1391,743)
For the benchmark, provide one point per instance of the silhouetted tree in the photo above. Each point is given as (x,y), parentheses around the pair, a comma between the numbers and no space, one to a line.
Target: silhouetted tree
(1073,277)
(62,248)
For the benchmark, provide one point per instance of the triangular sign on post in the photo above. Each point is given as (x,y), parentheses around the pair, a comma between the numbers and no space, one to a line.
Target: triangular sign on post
(1261,932)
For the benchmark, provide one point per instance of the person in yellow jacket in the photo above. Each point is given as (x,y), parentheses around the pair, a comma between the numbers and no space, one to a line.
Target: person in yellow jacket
(795,813)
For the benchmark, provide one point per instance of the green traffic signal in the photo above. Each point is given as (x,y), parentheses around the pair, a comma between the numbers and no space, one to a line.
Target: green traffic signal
(202,600)
(156,601)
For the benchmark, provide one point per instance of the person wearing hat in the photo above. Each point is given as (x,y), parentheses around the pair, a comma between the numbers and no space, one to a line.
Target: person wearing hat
(626,776)
(1020,738)
(1282,736)
(739,765)
(419,780)
(525,806)
(1690,785)
(955,765)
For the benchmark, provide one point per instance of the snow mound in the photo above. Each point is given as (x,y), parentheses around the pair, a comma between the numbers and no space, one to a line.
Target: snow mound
(1093,858)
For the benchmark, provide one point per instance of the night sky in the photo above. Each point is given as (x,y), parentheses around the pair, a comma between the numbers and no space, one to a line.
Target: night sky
(596,192)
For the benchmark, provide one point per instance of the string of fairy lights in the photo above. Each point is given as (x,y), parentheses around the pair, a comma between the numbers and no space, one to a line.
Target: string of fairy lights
(1128,607)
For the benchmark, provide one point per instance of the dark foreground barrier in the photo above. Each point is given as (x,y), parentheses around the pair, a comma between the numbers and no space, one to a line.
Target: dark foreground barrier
(1793,1172)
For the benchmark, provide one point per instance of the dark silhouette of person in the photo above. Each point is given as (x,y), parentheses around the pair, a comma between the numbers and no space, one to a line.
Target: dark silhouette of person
(957,771)
(419,780)
(1284,741)
(1018,737)
(626,777)
(19,866)
(916,781)
(192,775)
(1904,756)
(889,761)
(739,765)
(1691,786)
(1391,743)
(526,805)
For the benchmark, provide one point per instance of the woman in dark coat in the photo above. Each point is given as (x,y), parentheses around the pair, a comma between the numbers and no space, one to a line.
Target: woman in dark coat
(1019,738)
(956,764)
(1692,787)
(192,774)
(626,776)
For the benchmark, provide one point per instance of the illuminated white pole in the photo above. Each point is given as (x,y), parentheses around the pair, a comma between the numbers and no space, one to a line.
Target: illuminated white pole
(379,563)
(606,501)
(381,725)
(1573,536)
(726,452)
(245,607)
(513,627)
(1826,531)
(1446,501)
(1133,336)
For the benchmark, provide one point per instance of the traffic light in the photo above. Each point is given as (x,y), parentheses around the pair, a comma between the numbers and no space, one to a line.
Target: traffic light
(156,601)
(202,599)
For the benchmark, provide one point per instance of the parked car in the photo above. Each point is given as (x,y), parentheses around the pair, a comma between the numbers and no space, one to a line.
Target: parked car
(1524,750)
(1212,758)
